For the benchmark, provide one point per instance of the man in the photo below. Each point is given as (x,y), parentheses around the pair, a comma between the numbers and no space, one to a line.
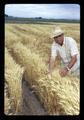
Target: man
(66,47)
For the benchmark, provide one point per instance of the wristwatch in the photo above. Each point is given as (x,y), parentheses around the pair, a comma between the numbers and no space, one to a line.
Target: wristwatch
(68,68)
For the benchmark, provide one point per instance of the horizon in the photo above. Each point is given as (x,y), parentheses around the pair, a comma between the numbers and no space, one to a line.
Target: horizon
(43,18)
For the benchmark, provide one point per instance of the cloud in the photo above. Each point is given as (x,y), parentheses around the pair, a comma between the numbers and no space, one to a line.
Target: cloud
(44,10)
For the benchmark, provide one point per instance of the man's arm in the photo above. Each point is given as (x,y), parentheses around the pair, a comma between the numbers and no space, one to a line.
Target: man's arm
(65,70)
(73,61)
(51,65)
(74,52)
(52,58)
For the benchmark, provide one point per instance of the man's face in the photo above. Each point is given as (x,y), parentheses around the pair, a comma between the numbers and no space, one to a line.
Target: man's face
(59,39)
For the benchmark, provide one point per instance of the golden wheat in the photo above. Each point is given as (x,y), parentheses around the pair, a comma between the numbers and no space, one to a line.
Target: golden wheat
(13,76)
(59,95)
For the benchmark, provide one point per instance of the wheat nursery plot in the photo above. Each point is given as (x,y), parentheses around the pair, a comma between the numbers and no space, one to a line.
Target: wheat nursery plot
(13,85)
(29,46)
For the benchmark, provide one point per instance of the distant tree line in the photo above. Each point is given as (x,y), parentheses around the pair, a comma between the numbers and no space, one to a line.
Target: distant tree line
(12,19)
(38,18)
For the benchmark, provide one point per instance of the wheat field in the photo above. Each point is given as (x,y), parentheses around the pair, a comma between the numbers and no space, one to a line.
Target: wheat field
(13,84)
(29,46)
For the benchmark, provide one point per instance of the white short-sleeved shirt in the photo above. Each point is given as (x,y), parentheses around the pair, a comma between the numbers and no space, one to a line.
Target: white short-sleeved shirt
(66,51)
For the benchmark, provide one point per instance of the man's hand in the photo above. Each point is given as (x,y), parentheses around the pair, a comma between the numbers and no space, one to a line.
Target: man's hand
(63,72)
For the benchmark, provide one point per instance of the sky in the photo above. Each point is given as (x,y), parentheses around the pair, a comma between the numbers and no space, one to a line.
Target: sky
(57,11)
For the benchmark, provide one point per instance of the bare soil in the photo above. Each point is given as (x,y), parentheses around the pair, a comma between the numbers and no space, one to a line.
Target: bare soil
(31,104)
